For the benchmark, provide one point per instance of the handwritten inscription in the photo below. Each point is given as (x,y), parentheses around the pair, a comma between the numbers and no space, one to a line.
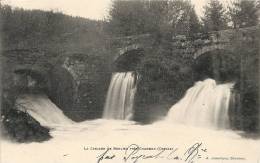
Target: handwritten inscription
(105,156)
(134,154)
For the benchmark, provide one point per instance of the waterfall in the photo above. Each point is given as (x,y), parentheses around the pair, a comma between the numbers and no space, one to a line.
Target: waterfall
(120,96)
(205,104)
(42,109)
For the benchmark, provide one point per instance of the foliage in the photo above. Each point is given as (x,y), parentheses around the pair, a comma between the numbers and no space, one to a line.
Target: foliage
(248,51)
(159,86)
(183,18)
(43,29)
(127,17)
(244,13)
(162,18)
(214,16)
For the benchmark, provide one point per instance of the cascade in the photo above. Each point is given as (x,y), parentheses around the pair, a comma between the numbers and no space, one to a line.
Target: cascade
(120,96)
(205,104)
(41,108)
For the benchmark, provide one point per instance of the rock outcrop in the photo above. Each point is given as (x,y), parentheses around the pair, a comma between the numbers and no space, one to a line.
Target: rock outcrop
(21,127)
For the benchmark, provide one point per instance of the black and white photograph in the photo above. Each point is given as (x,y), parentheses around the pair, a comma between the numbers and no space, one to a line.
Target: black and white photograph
(130,81)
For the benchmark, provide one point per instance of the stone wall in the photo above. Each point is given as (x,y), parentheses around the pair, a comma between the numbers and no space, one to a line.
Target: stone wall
(76,83)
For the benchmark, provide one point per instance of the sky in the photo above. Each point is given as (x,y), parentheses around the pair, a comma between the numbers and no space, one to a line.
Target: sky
(93,9)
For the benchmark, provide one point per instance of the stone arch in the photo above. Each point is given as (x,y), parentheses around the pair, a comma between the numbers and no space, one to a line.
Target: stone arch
(219,64)
(129,60)
(57,83)
(207,49)
(124,50)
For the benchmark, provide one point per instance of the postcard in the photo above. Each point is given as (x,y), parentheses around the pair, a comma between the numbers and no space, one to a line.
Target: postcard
(130,81)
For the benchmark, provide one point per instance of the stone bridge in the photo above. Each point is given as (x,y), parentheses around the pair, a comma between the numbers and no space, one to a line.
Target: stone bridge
(42,61)
(73,79)
(196,46)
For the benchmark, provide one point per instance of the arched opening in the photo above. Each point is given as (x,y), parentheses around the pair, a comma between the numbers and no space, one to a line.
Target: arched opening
(128,61)
(221,65)
(57,83)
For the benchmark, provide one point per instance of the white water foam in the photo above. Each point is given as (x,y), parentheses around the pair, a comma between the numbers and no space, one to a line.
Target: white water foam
(120,96)
(205,104)
(41,108)
(68,142)
(72,142)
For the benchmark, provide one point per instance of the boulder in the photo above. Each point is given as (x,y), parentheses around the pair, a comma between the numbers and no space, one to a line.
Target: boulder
(21,127)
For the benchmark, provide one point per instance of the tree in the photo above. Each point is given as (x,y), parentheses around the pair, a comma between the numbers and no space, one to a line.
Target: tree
(187,22)
(156,11)
(163,18)
(127,17)
(214,16)
(173,17)
(244,13)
